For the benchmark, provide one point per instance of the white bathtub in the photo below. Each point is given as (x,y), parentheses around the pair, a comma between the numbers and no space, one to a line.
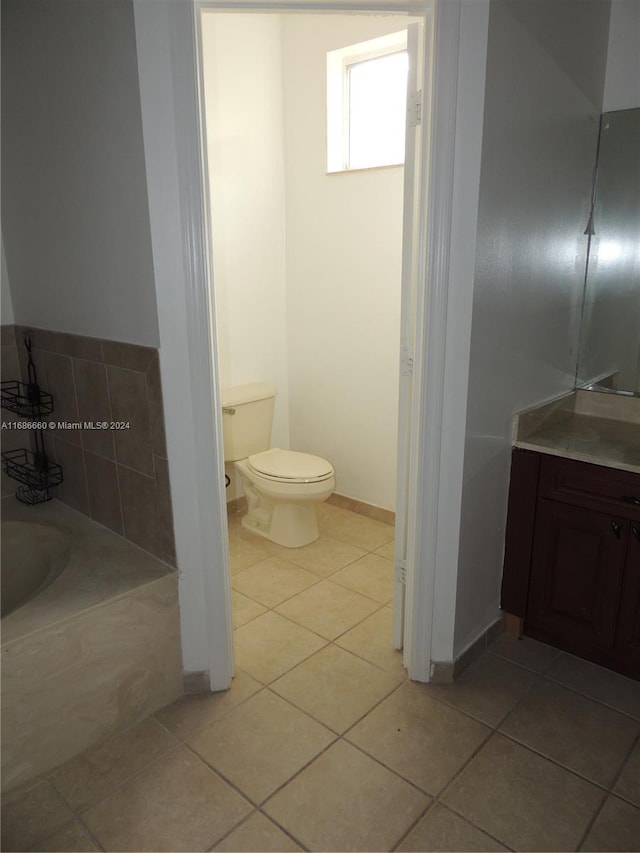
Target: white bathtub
(90,636)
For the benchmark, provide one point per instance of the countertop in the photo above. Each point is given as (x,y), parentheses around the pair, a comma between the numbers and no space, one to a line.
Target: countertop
(603,429)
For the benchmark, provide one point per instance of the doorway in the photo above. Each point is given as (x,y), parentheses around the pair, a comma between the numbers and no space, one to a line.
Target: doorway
(307,266)
(167,41)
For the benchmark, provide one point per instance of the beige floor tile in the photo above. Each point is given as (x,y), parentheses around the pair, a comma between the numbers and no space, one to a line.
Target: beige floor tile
(273,581)
(331,516)
(346,801)
(387,551)
(487,690)
(371,575)
(325,556)
(363,532)
(178,803)
(616,828)
(598,683)
(244,553)
(96,772)
(568,728)
(271,645)
(72,838)
(244,609)
(524,651)
(423,740)
(522,799)
(335,687)
(29,816)
(196,711)
(371,640)
(628,785)
(442,830)
(328,609)
(261,744)
(257,833)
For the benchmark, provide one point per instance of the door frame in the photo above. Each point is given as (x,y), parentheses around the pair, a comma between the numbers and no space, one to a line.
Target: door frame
(168,45)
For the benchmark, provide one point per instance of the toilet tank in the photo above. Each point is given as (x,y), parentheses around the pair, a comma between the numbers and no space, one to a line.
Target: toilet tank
(247,416)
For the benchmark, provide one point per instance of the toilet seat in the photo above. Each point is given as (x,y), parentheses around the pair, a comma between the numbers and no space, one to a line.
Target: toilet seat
(290,466)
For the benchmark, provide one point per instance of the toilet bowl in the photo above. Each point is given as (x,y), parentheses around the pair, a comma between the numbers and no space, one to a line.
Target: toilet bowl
(283,487)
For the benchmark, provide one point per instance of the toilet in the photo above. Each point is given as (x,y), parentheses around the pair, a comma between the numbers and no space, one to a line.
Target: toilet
(283,487)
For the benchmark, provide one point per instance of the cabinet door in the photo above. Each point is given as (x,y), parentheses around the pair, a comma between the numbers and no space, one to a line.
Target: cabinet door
(576,571)
(627,645)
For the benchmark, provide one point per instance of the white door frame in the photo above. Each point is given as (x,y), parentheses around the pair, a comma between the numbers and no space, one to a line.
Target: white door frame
(166,34)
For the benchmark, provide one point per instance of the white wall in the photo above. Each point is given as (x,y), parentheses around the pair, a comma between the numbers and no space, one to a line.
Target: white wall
(622,84)
(74,197)
(344,235)
(7,304)
(243,91)
(540,132)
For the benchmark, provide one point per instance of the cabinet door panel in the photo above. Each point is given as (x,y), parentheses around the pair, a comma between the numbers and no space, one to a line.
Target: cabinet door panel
(627,644)
(576,573)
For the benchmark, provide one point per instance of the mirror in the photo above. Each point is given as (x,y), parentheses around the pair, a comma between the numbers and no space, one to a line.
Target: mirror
(609,356)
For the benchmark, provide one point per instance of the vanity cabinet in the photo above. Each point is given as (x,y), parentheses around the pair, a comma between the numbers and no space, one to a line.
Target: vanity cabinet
(572,557)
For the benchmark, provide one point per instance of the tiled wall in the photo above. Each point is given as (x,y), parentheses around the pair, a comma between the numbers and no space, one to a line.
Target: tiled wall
(10,369)
(120,478)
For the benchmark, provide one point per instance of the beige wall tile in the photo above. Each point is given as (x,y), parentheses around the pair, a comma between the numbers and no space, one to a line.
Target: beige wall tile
(128,394)
(73,489)
(156,408)
(139,508)
(58,381)
(127,356)
(166,539)
(103,491)
(94,405)
(79,346)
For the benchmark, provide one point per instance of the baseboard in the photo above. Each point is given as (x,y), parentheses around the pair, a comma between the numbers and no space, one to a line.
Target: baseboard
(445,672)
(362,508)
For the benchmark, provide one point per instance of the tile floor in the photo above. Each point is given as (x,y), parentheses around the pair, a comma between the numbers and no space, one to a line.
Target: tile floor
(322,744)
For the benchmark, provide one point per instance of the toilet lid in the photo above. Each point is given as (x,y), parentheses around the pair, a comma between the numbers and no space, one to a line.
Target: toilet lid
(290,465)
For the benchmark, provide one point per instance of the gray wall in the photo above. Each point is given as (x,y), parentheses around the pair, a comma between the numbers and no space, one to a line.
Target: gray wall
(545,79)
(74,198)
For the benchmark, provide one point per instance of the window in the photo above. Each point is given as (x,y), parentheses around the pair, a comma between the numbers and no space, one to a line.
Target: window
(366,104)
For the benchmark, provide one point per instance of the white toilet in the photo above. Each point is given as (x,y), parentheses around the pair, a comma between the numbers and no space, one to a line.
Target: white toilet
(282,487)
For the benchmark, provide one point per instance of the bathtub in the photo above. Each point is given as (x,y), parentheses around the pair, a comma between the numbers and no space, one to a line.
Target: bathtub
(90,636)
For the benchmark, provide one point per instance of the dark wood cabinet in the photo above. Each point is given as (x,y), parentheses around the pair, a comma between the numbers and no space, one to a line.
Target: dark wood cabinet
(572,557)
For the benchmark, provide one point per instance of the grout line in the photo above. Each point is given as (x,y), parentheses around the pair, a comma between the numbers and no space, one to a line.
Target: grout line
(609,793)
